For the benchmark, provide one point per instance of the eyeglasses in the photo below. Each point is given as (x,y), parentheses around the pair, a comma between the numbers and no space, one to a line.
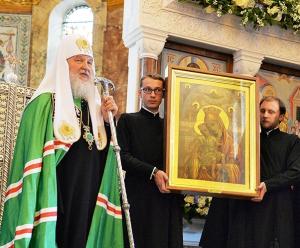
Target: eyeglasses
(157,91)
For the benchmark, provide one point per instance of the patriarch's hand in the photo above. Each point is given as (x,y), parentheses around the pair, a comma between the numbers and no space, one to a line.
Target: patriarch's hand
(108,104)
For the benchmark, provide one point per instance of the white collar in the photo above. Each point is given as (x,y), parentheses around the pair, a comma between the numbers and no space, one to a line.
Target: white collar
(268,132)
(154,113)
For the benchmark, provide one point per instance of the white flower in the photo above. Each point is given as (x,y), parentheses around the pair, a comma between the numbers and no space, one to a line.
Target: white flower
(245,20)
(201,202)
(273,10)
(298,9)
(267,2)
(278,17)
(259,21)
(251,4)
(203,211)
(284,9)
(244,3)
(209,9)
(189,199)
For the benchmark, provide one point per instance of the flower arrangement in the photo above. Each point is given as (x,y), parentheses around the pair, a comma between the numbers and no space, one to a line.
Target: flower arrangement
(195,206)
(259,13)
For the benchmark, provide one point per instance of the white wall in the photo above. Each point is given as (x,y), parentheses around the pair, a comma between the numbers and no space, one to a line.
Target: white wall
(148,23)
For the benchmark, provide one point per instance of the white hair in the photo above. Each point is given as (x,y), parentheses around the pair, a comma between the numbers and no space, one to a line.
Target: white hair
(81,88)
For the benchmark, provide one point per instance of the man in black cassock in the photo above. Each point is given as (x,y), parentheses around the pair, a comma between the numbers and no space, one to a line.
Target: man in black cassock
(297,214)
(156,214)
(266,221)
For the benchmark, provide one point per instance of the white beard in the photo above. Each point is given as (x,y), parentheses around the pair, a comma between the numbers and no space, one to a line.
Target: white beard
(80,88)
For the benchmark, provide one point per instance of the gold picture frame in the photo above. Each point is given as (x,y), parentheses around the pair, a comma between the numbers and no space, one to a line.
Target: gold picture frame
(212,133)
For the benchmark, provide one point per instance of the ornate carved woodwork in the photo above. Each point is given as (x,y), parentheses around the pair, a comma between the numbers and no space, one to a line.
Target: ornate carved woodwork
(13,99)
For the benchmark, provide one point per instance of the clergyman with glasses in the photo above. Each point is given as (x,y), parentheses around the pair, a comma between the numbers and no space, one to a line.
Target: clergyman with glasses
(156,214)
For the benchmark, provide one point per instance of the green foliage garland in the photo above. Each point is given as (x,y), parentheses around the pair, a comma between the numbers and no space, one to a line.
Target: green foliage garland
(285,13)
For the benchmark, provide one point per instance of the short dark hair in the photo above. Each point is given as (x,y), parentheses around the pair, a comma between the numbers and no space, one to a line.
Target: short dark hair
(282,108)
(153,76)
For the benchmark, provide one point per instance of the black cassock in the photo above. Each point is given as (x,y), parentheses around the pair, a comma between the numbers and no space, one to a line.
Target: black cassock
(156,218)
(79,176)
(268,224)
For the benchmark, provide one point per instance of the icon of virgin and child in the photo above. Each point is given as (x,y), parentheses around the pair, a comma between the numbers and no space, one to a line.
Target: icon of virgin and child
(216,151)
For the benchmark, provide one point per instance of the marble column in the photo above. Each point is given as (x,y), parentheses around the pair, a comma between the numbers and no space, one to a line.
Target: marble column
(148,66)
(246,63)
(150,48)
(144,48)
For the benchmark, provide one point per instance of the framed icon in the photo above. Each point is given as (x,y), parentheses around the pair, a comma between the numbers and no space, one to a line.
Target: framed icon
(212,132)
